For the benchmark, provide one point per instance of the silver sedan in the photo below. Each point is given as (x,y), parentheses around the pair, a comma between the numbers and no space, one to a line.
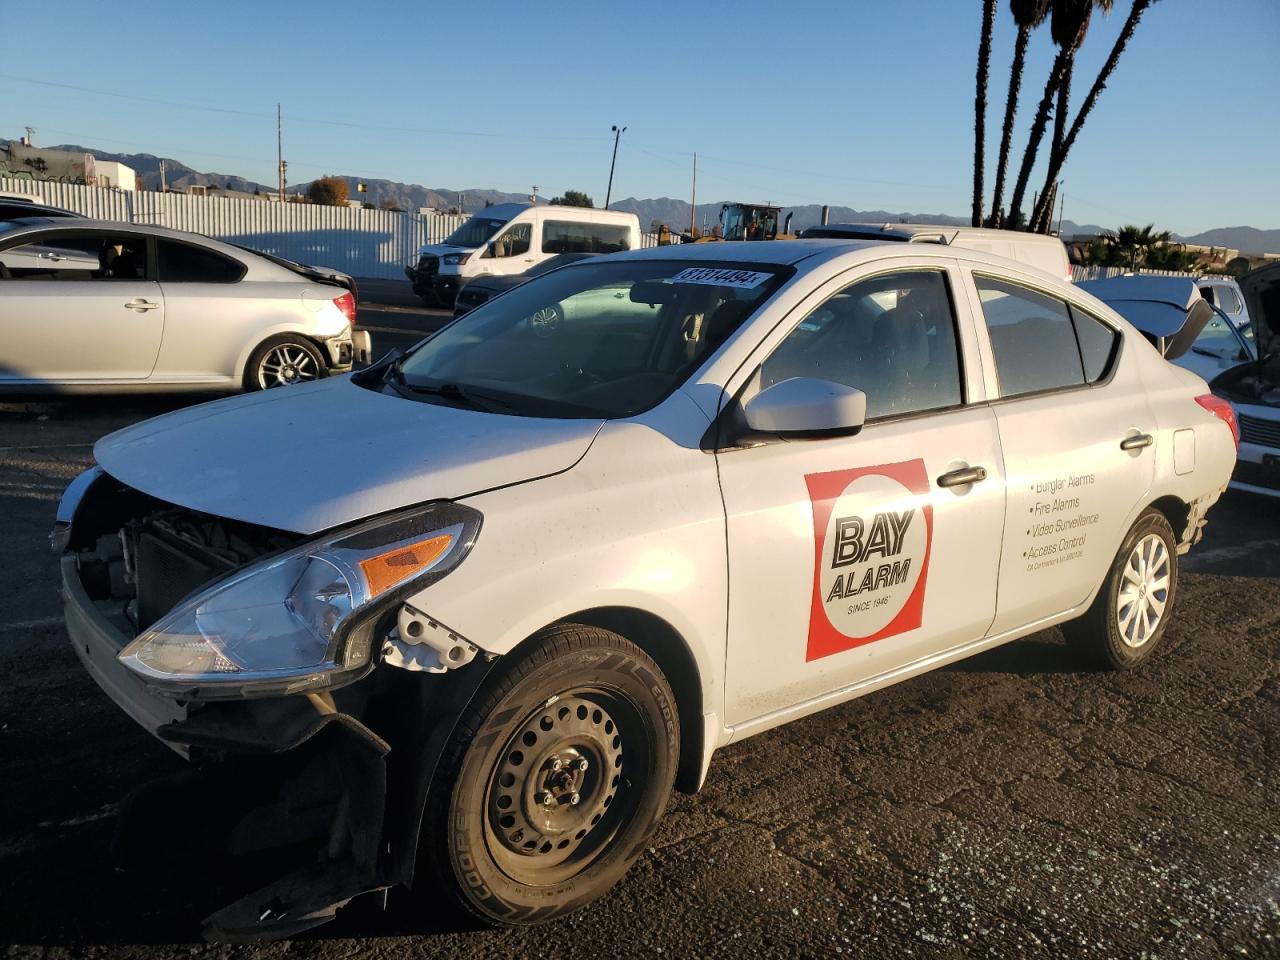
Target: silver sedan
(96,306)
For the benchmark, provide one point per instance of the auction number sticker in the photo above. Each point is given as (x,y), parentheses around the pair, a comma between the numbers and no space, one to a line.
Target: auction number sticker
(872,533)
(722,277)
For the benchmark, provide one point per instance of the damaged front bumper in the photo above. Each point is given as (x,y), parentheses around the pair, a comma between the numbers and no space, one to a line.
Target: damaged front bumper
(341,775)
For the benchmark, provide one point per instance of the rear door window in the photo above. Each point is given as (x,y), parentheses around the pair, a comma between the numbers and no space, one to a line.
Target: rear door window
(187,263)
(1098,344)
(1031,336)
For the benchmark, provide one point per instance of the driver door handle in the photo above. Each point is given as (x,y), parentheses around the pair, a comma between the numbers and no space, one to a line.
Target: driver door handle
(1137,442)
(139,305)
(963,477)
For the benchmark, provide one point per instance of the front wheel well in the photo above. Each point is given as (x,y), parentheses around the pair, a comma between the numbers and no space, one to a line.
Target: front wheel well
(668,649)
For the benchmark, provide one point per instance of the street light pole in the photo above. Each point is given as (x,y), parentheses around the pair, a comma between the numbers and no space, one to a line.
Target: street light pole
(617,135)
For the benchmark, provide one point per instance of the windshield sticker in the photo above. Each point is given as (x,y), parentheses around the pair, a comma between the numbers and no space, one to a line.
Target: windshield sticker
(722,277)
(872,531)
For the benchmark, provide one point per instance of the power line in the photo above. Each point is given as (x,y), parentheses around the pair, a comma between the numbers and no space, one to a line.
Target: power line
(431,131)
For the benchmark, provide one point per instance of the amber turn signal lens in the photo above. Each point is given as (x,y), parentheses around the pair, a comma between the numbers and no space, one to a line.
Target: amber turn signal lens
(387,569)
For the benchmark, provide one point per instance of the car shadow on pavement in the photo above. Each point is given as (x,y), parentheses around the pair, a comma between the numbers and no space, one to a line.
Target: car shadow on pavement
(1040,653)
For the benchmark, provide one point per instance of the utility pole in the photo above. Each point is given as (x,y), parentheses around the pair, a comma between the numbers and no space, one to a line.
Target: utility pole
(1062,205)
(533,197)
(617,135)
(280,168)
(162,183)
(693,203)
(26,142)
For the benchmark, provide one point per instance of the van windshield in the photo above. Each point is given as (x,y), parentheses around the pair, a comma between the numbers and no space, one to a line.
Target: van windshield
(476,232)
(596,339)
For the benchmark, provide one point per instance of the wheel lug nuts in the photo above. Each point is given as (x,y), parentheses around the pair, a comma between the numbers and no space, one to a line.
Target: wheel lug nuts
(581,763)
(545,798)
(557,764)
(574,799)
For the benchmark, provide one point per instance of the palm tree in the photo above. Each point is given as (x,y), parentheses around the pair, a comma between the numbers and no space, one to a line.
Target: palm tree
(1027,14)
(980,106)
(1126,34)
(1131,243)
(1069,22)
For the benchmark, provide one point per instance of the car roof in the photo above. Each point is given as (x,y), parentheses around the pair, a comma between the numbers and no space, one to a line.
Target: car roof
(781,252)
(948,231)
(502,211)
(34,224)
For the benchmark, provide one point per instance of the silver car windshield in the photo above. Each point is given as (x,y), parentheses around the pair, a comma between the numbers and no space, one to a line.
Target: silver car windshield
(599,339)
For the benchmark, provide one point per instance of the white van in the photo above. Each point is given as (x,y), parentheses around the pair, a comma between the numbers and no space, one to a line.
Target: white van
(1034,249)
(509,238)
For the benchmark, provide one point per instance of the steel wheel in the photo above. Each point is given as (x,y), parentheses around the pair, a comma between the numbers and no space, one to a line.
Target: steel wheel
(1144,591)
(558,792)
(285,364)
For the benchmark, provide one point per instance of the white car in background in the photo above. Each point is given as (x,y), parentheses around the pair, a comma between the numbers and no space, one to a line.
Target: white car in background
(98,306)
(571,562)
(1238,362)
(1225,294)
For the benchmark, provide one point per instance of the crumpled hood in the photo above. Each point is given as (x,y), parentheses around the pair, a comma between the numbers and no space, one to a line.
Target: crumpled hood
(314,456)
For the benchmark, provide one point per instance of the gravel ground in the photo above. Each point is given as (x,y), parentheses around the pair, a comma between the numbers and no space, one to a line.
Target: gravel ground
(1013,805)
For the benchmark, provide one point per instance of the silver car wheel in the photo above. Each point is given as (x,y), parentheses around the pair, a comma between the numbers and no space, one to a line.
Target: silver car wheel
(286,364)
(1144,591)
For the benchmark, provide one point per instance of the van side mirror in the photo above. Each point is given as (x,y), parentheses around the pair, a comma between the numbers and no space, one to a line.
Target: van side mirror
(806,407)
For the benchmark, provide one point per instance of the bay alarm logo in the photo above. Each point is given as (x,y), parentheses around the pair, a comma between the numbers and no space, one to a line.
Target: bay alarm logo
(872,531)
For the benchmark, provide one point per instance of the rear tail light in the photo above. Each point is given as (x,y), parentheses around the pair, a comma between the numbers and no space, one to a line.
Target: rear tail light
(1223,411)
(347,304)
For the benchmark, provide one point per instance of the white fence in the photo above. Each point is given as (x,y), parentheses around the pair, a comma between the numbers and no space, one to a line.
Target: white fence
(1079,273)
(364,243)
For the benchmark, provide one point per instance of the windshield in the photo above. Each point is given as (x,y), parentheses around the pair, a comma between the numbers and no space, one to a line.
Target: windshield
(475,232)
(748,223)
(597,339)
(1222,338)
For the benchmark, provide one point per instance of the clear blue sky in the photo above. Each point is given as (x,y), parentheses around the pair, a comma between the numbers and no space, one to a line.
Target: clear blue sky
(866,103)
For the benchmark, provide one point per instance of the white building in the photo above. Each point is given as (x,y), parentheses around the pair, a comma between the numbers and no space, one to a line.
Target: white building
(109,173)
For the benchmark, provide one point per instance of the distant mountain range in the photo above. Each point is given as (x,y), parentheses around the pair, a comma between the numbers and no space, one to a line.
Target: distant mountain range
(674,213)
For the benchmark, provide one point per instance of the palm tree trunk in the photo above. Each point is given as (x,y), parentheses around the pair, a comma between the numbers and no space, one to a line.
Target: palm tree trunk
(1038,216)
(1037,132)
(980,107)
(1126,34)
(1010,113)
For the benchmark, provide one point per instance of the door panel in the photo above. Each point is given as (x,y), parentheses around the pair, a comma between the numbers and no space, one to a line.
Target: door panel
(847,557)
(1072,488)
(68,330)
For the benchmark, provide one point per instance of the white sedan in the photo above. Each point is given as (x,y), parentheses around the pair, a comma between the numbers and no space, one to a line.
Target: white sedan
(556,568)
(97,306)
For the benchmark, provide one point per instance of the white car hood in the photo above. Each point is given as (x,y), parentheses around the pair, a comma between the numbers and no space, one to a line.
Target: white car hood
(310,457)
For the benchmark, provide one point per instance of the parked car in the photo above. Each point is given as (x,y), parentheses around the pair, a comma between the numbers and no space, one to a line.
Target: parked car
(88,305)
(483,289)
(565,566)
(1224,293)
(1036,250)
(1199,337)
(11,209)
(509,238)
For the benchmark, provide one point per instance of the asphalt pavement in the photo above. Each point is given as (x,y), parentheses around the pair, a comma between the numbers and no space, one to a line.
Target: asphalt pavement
(1013,805)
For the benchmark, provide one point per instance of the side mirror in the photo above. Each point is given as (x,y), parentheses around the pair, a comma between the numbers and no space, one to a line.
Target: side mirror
(806,407)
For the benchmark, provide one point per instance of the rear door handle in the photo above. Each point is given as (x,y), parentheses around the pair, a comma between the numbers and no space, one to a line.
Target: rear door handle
(963,477)
(141,305)
(1137,442)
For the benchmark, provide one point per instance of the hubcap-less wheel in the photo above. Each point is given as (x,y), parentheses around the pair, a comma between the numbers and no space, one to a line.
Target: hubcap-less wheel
(558,793)
(286,364)
(1144,591)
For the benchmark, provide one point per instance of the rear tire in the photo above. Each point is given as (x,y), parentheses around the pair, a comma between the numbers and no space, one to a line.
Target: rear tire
(554,778)
(283,360)
(1127,619)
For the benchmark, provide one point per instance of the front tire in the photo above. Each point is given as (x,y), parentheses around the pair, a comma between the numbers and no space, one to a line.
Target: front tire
(555,777)
(1128,617)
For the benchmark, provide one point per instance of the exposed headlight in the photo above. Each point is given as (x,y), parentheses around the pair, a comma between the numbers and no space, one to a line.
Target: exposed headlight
(455,259)
(304,618)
